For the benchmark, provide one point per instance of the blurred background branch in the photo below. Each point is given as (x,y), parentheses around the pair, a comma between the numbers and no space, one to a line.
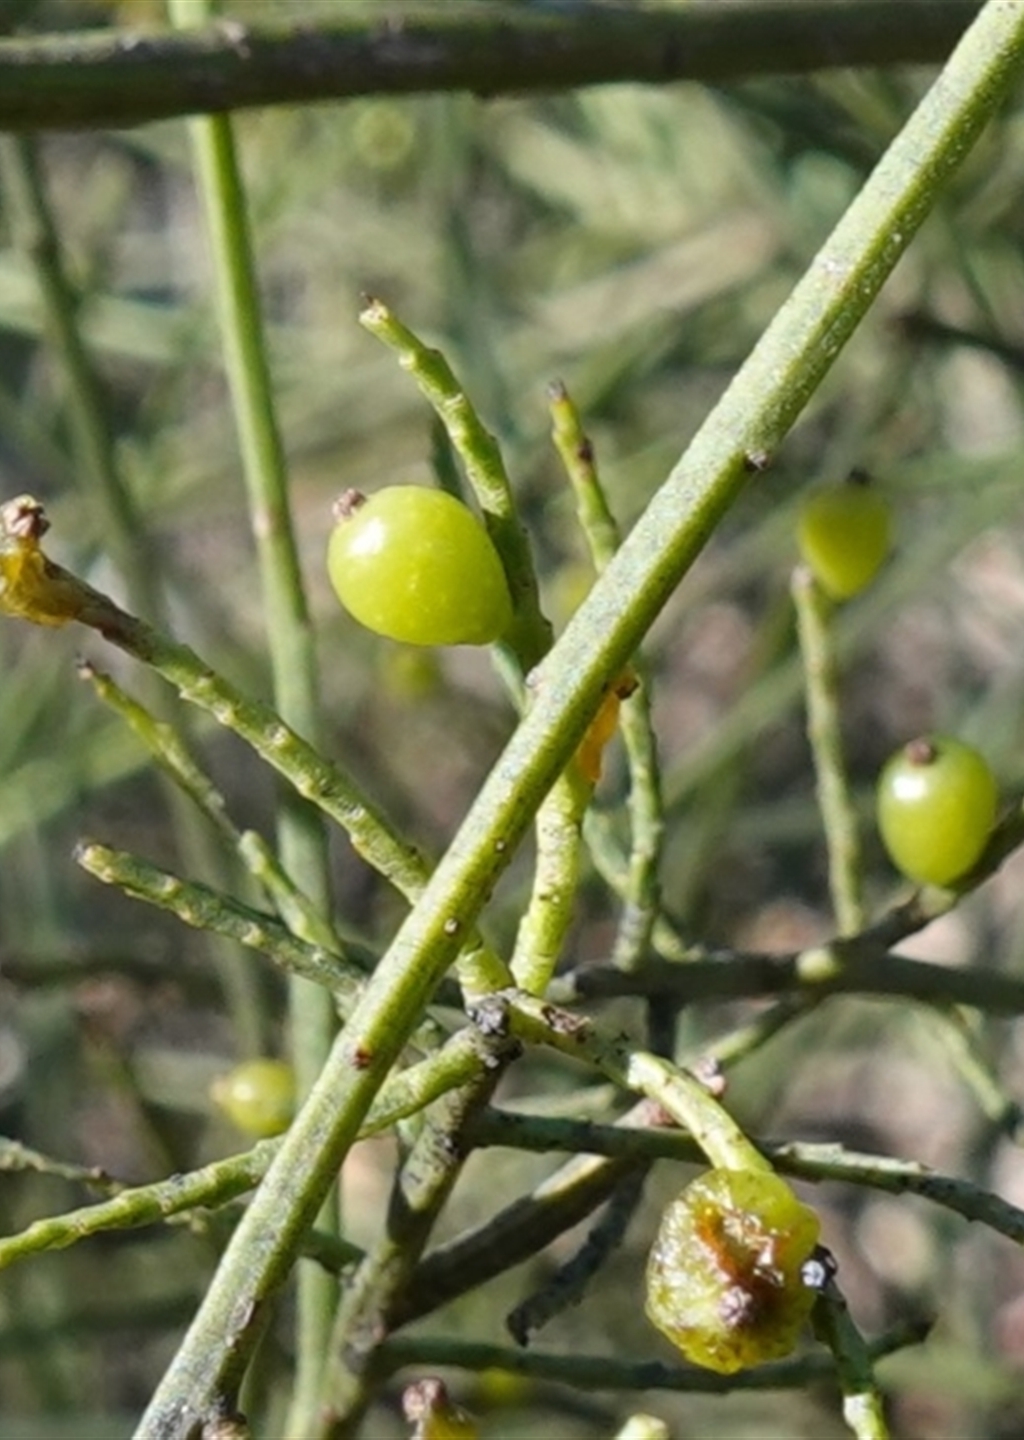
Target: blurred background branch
(118,78)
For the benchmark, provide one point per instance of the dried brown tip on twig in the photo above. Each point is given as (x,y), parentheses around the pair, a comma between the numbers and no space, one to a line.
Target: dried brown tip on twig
(23,518)
(424,1397)
(347,503)
(921,751)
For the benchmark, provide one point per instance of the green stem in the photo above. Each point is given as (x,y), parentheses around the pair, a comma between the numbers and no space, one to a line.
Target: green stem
(301,835)
(824,730)
(755,413)
(858,966)
(98,79)
(640,889)
(421,1187)
(548,915)
(197,905)
(607,1372)
(515,1234)
(679,1093)
(170,752)
(862,1403)
(457,1063)
(144,1205)
(631,1140)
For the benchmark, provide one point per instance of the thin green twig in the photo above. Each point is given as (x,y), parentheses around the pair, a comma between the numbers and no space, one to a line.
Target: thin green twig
(143,1205)
(301,833)
(456,1063)
(862,1402)
(421,1187)
(170,751)
(15,1156)
(514,1234)
(606,1372)
(640,889)
(855,966)
(633,1138)
(205,909)
(548,915)
(821,683)
(678,1092)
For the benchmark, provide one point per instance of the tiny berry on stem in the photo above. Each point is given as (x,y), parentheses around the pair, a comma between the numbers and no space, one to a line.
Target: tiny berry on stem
(937,801)
(258,1096)
(417,565)
(843,532)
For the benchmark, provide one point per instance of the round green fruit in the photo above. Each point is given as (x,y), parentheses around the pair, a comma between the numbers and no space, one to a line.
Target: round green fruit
(844,535)
(416,565)
(937,801)
(725,1278)
(258,1096)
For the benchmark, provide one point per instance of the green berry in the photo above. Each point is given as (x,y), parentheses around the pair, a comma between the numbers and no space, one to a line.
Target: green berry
(416,565)
(258,1096)
(725,1276)
(937,801)
(844,534)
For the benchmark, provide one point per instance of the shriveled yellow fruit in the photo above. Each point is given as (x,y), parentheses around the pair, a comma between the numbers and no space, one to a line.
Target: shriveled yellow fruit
(725,1276)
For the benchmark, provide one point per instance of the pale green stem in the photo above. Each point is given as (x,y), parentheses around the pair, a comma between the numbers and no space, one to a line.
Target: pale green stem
(677,1091)
(638,1141)
(814,613)
(405,1093)
(548,915)
(205,909)
(862,1403)
(640,888)
(171,753)
(301,835)
(143,1205)
(608,1372)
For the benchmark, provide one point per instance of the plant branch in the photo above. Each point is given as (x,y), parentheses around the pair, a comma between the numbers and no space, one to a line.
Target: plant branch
(751,420)
(630,1140)
(121,78)
(300,829)
(856,967)
(605,1372)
